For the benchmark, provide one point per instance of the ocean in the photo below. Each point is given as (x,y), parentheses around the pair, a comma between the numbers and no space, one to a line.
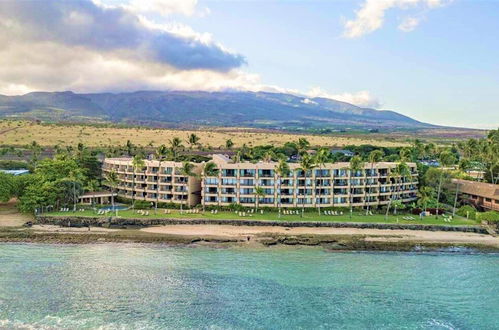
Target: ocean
(136,286)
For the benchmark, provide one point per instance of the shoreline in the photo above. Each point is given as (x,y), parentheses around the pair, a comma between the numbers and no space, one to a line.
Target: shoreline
(333,239)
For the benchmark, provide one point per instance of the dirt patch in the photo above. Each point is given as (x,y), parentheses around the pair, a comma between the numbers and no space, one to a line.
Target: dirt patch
(11,217)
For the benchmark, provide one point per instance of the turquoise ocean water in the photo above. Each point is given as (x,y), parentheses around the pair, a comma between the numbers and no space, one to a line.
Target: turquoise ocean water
(133,286)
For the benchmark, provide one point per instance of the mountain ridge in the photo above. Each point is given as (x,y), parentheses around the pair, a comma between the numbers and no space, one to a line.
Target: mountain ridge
(177,108)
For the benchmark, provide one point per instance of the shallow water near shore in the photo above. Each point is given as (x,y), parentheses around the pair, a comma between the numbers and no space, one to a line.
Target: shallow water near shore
(136,286)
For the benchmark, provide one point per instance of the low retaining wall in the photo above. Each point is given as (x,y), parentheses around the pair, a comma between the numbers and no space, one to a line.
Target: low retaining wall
(76,221)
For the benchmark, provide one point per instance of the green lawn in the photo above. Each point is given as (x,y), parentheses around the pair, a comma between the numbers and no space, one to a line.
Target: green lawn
(309,216)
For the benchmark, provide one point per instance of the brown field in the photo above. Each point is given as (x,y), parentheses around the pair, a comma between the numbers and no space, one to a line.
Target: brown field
(50,135)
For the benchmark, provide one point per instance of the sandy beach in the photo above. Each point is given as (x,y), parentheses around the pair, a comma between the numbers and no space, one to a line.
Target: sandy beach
(372,234)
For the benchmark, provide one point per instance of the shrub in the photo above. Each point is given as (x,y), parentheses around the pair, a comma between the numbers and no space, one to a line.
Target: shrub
(141,205)
(490,216)
(467,210)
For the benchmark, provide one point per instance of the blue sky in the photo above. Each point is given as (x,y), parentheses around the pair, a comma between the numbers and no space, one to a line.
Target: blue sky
(445,71)
(434,60)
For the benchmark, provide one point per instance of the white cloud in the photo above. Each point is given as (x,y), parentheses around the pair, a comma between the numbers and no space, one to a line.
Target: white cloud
(409,24)
(361,98)
(371,15)
(166,7)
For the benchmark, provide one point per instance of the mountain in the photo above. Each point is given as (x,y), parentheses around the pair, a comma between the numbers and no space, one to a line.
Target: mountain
(185,108)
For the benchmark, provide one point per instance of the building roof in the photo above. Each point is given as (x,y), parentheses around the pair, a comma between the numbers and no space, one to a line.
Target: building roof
(481,189)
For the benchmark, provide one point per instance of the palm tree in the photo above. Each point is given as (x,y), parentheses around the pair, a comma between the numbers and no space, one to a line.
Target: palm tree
(356,164)
(75,176)
(398,174)
(405,155)
(302,146)
(425,195)
(446,158)
(320,159)
(160,154)
(92,186)
(112,180)
(306,166)
(175,146)
(258,192)
(229,144)
(137,164)
(282,170)
(129,148)
(209,169)
(186,170)
(374,157)
(268,156)
(193,140)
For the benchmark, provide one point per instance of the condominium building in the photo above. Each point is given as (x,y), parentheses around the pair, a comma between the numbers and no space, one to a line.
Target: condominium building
(482,195)
(331,185)
(167,181)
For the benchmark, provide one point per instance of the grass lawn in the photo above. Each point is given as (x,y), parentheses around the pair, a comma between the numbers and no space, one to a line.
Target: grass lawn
(309,216)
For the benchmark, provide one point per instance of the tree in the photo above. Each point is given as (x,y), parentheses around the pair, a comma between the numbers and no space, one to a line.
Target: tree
(193,140)
(425,194)
(321,159)
(49,183)
(186,170)
(229,144)
(129,148)
(92,186)
(175,146)
(258,192)
(302,146)
(282,170)
(209,169)
(137,164)
(6,182)
(356,165)
(112,180)
(398,174)
(160,154)
(374,157)
(76,178)
(446,159)
(306,166)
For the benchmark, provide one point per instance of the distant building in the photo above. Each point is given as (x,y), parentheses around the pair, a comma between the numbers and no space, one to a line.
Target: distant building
(430,162)
(344,152)
(15,172)
(481,195)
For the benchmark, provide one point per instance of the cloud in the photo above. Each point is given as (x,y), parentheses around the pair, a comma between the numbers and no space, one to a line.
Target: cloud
(164,7)
(83,23)
(361,98)
(371,15)
(409,24)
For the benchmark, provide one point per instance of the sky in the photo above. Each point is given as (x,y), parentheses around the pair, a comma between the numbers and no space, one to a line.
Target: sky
(433,60)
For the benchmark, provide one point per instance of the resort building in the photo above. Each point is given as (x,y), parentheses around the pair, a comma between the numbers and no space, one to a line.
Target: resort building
(168,181)
(482,195)
(333,185)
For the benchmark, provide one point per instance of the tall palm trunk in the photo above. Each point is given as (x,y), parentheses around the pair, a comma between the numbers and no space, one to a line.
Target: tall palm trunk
(368,190)
(133,190)
(279,203)
(320,194)
(158,180)
(439,190)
